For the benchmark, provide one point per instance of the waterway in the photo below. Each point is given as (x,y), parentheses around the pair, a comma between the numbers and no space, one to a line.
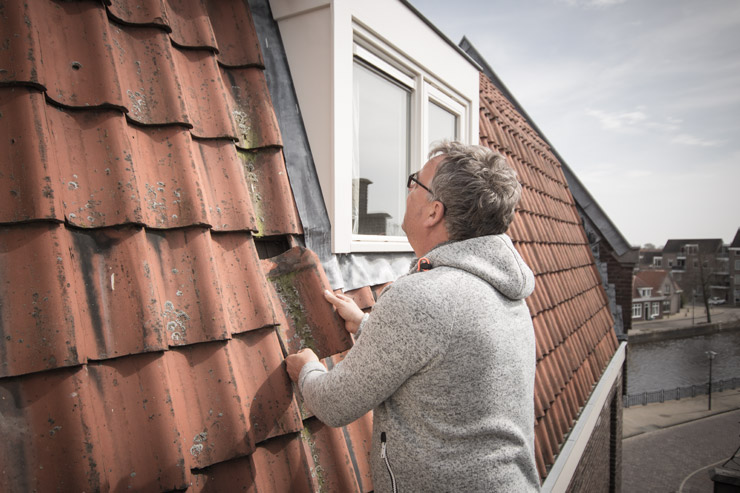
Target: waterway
(681,362)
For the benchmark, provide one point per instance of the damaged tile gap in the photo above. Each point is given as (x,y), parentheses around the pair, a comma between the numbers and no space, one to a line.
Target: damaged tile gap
(271,246)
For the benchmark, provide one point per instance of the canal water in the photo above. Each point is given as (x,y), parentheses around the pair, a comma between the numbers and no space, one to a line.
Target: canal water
(681,362)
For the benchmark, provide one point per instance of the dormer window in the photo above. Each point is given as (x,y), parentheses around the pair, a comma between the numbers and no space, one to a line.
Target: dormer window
(376,86)
(645,292)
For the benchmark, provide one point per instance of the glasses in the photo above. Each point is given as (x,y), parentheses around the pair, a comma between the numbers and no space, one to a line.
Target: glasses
(413,179)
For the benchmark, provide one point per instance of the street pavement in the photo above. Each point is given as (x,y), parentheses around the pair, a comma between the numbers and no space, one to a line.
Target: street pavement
(688,317)
(678,457)
(672,446)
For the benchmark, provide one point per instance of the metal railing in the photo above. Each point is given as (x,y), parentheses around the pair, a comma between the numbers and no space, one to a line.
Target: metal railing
(679,392)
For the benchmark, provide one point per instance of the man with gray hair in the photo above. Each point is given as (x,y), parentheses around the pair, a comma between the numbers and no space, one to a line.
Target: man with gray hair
(446,359)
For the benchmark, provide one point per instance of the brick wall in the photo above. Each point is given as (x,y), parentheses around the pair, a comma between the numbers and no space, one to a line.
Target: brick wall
(600,468)
(620,274)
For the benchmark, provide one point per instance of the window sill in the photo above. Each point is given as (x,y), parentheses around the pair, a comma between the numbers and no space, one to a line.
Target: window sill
(370,243)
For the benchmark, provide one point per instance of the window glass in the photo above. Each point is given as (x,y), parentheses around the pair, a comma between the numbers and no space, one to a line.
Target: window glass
(442,124)
(381,152)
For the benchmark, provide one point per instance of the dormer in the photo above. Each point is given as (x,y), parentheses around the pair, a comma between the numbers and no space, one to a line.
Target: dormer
(376,85)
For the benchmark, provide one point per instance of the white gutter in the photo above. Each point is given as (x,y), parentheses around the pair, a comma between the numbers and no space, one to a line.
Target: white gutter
(572,450)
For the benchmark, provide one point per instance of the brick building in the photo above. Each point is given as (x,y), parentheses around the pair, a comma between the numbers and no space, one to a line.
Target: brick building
(734,267)
(700,266)
(655,295)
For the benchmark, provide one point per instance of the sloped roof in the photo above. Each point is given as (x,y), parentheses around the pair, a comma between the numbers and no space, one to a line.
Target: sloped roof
(736,241)
(705,245)
(569,307)
(144,310)
(649,279)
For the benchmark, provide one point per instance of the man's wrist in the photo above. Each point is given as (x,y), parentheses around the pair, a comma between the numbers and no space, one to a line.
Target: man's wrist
(309,367)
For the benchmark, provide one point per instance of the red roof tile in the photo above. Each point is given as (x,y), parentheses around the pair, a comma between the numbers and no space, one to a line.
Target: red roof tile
(141,338)
(269,190)
(309,321)
(573,325)
(92,170)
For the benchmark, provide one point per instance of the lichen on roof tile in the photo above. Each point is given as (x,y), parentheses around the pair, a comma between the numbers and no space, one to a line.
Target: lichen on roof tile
(307,320)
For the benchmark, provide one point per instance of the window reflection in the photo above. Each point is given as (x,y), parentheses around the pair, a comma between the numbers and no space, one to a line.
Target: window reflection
(381,109)
(442,124)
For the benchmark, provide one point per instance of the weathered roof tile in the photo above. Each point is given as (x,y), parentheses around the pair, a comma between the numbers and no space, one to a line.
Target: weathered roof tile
(307,319)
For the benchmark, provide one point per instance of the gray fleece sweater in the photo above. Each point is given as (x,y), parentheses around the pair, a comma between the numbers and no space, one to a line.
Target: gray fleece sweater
(446,361)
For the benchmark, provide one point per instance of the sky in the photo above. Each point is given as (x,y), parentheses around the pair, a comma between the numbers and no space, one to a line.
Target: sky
(641,99)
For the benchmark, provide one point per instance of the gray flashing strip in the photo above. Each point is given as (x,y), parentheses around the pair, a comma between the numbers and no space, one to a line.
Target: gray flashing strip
(370,269)
(582,196)
(298,158)
(572,450)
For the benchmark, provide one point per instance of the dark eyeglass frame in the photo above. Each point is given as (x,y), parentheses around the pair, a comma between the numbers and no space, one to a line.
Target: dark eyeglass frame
(413,179)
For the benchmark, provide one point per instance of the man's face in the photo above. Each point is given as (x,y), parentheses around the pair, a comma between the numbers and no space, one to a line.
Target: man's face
(417,199)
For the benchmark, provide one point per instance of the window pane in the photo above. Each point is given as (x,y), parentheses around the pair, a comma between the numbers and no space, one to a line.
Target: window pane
(442,124)
(381,153)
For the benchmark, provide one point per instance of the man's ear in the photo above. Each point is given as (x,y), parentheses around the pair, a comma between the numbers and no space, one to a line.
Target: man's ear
(435,214)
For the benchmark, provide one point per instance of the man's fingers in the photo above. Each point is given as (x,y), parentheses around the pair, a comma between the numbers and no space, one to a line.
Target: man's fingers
(344,297)
(338,300)
(331,297)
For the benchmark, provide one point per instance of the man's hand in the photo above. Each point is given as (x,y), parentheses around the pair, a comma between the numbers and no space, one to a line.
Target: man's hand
(347,309)
(295,362)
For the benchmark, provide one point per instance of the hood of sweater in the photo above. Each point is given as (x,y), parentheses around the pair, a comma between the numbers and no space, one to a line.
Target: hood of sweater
(491,258)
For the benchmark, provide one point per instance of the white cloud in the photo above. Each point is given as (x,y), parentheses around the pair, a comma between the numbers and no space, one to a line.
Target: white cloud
(637,121)
(691,140)
(622,121)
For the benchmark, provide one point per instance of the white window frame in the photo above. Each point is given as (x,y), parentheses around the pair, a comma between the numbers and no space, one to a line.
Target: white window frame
(423,89)
(655,309)
(321,39)
(636,310)
(657,261)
